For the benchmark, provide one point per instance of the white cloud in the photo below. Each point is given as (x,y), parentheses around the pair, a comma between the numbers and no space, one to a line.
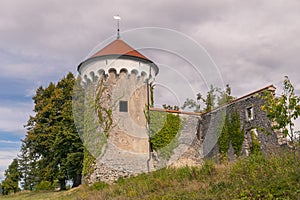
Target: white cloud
(6,158)
(9,142)
(255,40)
(14,117)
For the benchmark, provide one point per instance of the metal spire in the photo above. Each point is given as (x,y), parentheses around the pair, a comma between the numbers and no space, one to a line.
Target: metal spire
(117,17)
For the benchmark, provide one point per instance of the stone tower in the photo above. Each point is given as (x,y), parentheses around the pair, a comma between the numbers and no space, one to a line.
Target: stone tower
(124,76)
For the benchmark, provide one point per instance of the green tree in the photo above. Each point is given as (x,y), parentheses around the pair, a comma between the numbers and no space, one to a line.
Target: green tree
(191,104)
(214,97)
(283,111)
(52,141)
(27,167)
(67,146)
(12,178)
(210,99)
(169,107)
(224,95)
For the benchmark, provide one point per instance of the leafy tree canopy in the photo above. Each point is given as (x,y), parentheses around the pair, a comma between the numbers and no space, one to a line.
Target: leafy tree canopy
(52,149)
(12,177)
(214,97)
(283,110)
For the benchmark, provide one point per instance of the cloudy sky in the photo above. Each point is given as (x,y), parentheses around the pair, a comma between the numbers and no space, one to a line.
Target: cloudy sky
(251,44)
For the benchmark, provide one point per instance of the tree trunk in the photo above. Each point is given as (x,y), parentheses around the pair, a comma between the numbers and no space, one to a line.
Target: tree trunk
(295,159)
(294,148)
(76,180)
(62,183)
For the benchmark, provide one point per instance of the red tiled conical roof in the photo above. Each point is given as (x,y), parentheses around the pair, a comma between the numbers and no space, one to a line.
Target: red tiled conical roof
(119,47)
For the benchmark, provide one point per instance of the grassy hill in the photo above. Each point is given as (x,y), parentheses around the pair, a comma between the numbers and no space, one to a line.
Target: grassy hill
(254,177)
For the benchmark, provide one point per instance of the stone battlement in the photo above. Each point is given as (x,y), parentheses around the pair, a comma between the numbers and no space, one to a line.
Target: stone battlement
(92,71)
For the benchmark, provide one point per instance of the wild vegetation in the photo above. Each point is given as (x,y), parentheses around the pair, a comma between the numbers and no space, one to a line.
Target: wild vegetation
(254,177)
(12,174)
(214,97)
(283,110)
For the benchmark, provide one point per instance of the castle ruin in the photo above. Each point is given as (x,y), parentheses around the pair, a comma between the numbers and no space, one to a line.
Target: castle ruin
(123,78)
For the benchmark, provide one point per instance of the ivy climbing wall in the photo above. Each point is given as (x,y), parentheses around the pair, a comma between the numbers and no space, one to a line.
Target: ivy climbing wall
(237,128)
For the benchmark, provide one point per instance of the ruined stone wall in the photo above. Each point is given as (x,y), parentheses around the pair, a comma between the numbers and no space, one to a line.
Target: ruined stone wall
(258,123)
(188,150)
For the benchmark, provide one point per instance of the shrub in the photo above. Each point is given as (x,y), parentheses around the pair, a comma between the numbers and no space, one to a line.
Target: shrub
(99,186)
(44,185)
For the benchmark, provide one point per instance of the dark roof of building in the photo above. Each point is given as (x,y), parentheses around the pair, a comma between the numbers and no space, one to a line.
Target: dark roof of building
(119,47)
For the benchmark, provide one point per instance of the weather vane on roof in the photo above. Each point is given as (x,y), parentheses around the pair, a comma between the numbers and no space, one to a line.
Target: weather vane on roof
(117,17)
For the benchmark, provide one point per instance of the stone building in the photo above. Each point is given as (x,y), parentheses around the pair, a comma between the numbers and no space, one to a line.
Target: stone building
(253,121)
(123,76)
(198,138)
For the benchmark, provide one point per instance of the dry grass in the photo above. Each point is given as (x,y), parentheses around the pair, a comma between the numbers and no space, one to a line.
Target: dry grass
(256,177)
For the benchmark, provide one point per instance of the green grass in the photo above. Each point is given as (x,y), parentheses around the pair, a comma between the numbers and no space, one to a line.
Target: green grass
(254,177)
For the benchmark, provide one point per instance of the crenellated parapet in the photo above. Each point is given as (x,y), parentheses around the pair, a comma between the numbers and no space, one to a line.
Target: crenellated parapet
(92,69)
(117,59)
